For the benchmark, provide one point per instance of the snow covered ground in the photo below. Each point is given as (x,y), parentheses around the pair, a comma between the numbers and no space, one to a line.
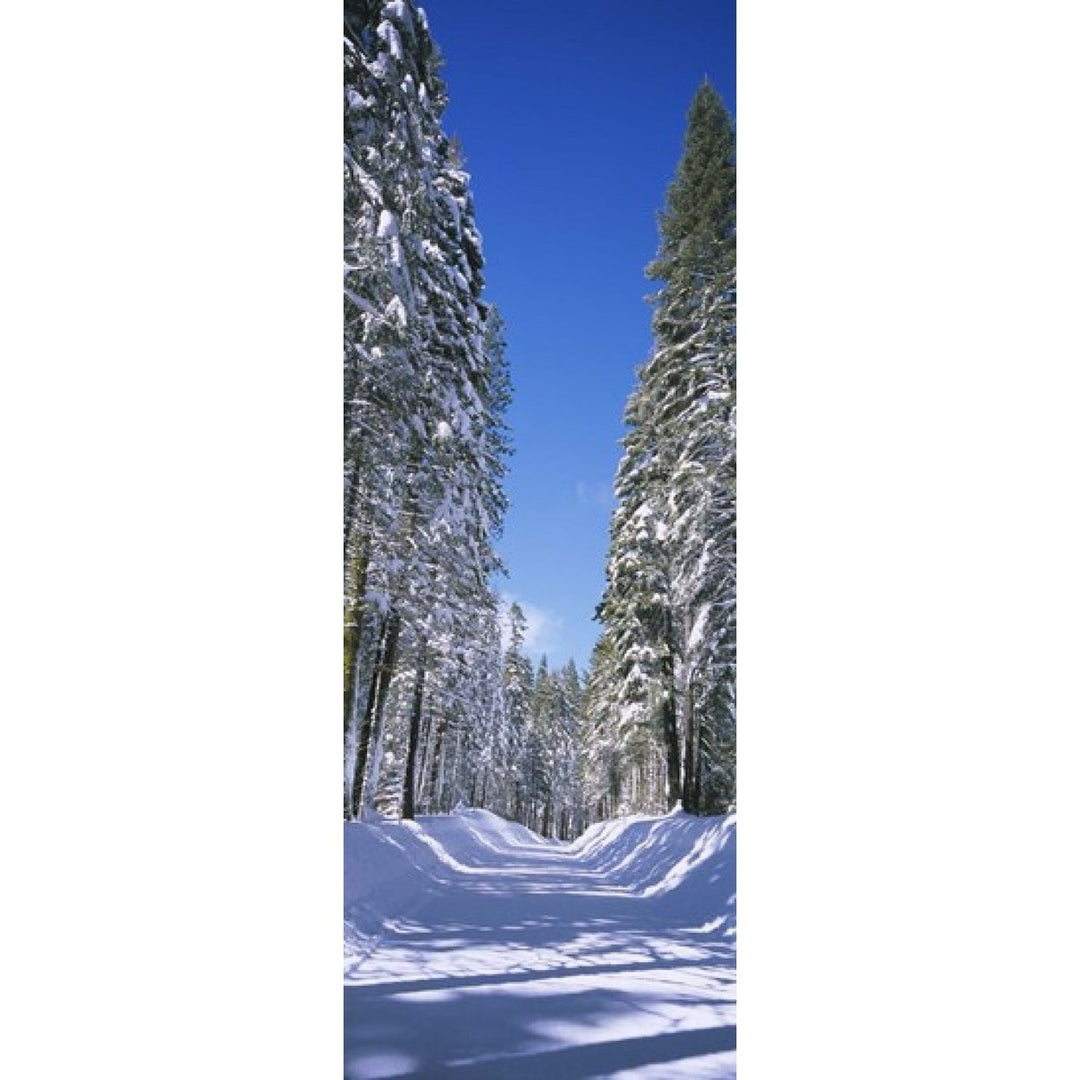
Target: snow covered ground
(474,948)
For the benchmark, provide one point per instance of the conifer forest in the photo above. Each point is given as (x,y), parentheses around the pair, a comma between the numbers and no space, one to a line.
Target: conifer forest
(443,707)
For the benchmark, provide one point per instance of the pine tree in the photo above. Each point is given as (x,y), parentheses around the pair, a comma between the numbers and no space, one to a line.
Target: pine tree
(425,390)
(605,749)
(668,608)
(518,682)
(567,794)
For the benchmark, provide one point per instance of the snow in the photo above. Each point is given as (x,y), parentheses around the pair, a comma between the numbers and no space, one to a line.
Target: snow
(388,227)
(399,11)
(475,948)
(701,621)
(389,33)
(396,313)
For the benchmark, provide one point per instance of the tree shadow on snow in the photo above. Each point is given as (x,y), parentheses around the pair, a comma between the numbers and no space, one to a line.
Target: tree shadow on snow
(519,1036)
(463,982)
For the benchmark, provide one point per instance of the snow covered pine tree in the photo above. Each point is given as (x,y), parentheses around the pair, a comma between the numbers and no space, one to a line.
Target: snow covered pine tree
(425,388)
(669,606)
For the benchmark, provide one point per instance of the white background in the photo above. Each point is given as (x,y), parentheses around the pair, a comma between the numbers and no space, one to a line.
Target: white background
(170,454)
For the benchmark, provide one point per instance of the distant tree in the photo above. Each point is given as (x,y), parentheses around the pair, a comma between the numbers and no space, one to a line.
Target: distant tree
(604,747)
(518,682)
(568,796)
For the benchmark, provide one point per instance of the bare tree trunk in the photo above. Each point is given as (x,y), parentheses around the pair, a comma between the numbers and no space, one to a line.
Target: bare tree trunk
(408,797)
(355,588)
(435,791)
(689,802)
(671,747)
(424,769)
(386,659)
(697,768)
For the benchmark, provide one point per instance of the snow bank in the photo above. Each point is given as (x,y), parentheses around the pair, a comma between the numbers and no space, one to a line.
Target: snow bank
(683,866)
(392,868)
(388,874)
(690,860)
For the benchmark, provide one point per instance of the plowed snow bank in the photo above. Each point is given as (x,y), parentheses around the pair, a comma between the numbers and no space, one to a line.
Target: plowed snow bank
(684,866)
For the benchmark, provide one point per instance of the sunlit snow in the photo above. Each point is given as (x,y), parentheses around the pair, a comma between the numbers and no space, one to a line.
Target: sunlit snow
(476,949)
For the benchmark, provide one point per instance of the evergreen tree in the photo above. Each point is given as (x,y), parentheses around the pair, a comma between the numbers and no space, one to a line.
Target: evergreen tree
(536,766)
(551,767)
(604,748)
(425,390)
(669,605)
(518,682)
(435,712)
(567,794)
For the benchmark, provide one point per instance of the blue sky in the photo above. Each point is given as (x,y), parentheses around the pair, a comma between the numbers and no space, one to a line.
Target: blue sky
(571,116)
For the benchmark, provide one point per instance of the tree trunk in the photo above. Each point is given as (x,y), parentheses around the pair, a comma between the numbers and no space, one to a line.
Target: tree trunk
(356,584)
(386,659)
(363,735)
(697,768)
(352,650)
(671,746)
(424,794)
(689,802)
(408,797)
(435,768)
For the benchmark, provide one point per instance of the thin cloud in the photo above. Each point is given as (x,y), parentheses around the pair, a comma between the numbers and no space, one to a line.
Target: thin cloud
(543,628)
(593,493)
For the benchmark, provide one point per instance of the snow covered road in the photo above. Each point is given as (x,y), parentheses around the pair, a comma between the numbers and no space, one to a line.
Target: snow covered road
(476,949)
